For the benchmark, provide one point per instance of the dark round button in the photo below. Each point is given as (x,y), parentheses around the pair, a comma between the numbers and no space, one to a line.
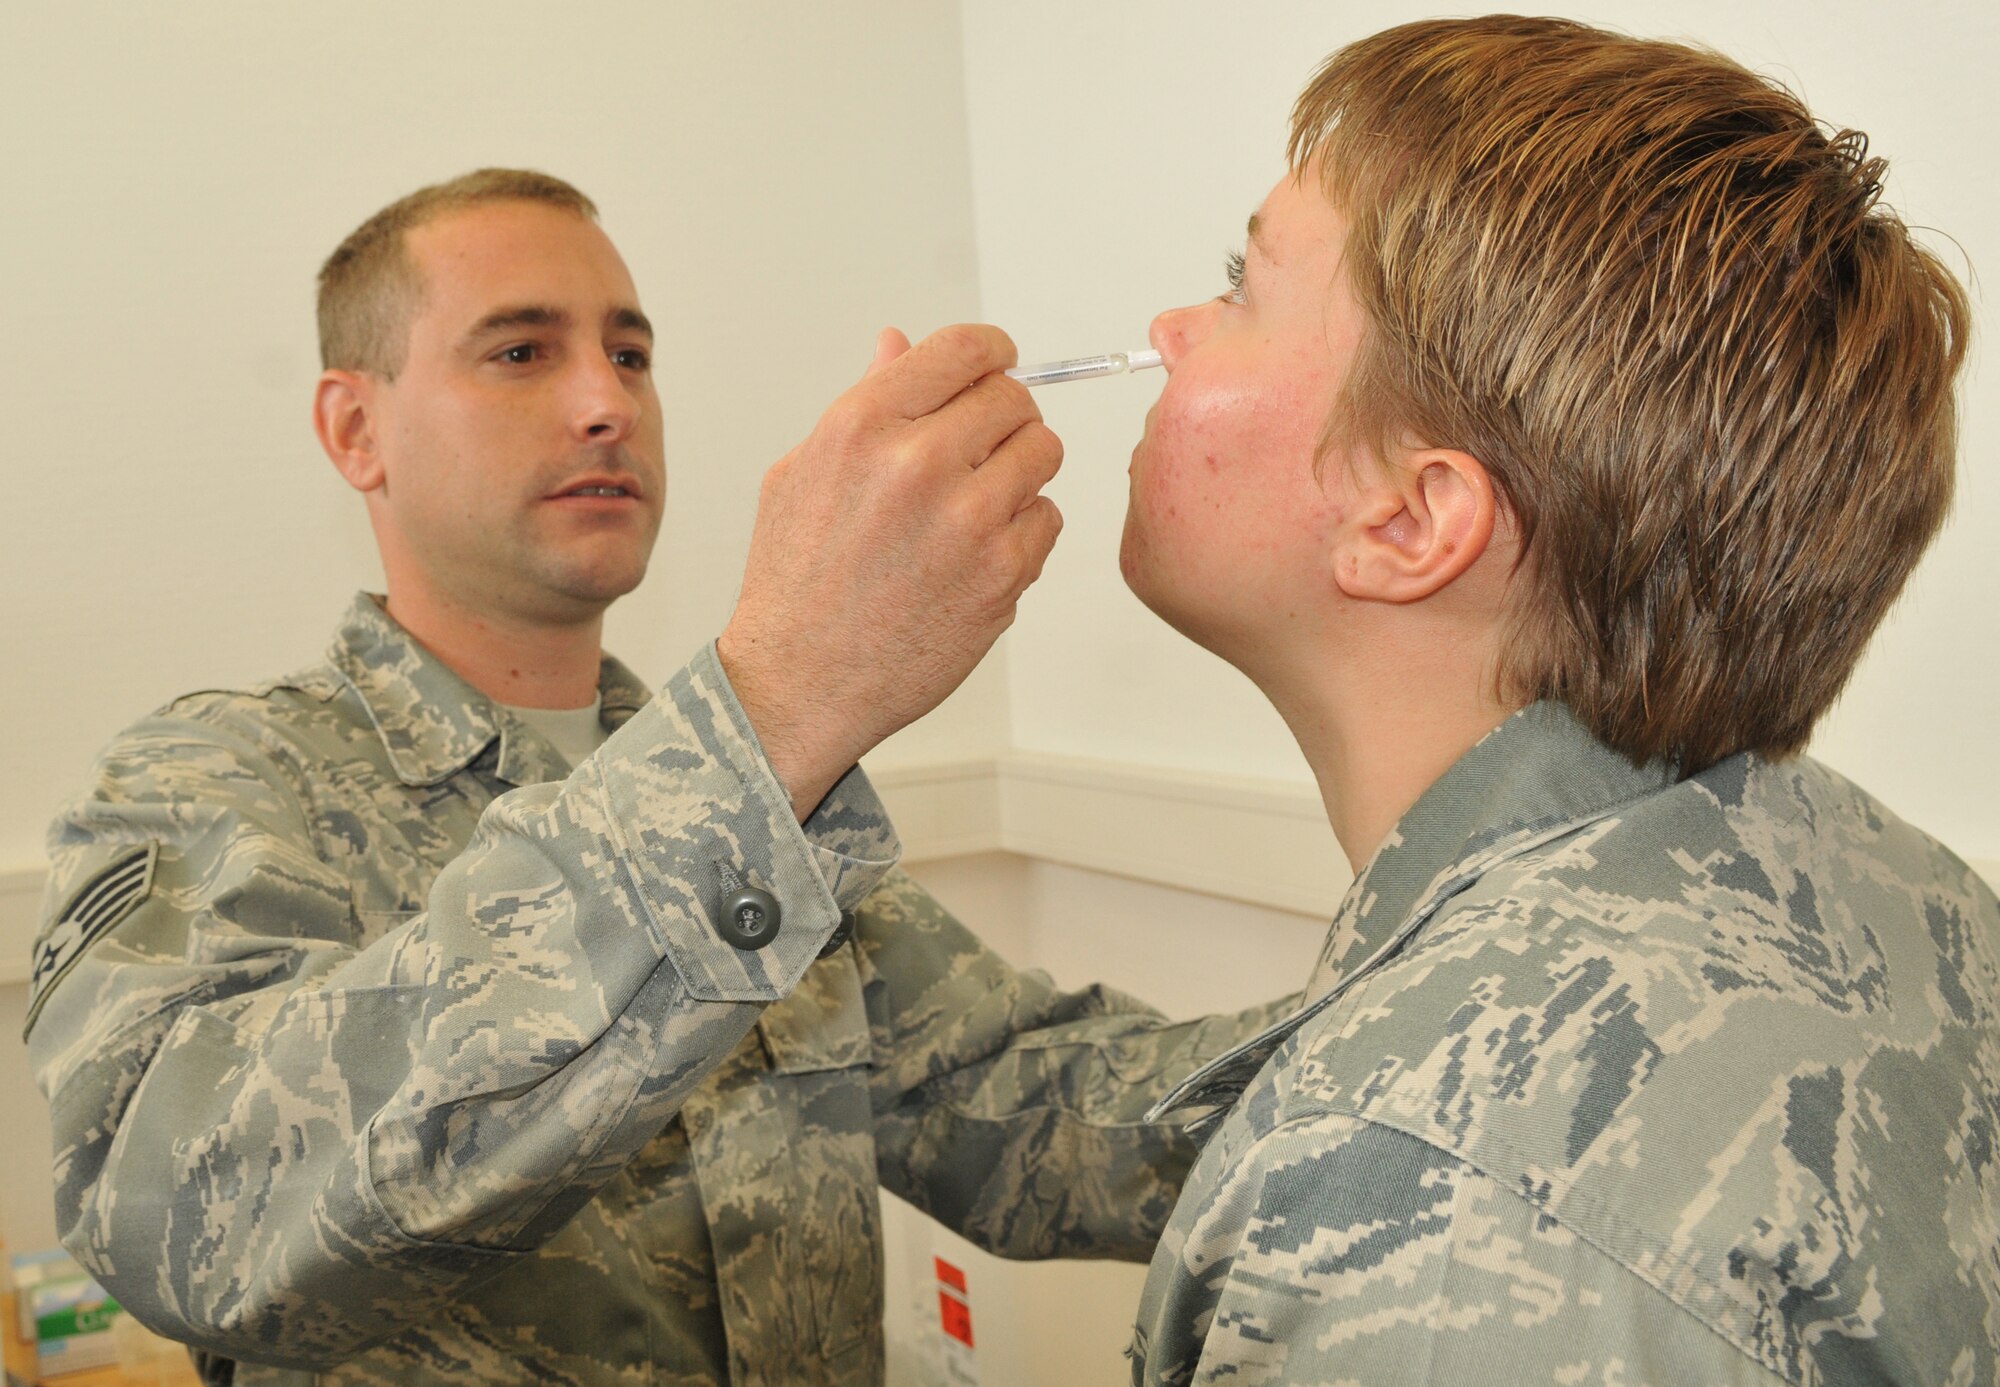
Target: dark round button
(842,932)
(749,918)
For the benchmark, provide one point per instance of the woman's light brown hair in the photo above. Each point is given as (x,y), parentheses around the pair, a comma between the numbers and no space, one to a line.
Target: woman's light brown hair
(1711,376)
(369,289)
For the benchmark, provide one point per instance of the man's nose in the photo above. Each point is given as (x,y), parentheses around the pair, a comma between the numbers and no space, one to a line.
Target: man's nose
(1176,330)
(606,406)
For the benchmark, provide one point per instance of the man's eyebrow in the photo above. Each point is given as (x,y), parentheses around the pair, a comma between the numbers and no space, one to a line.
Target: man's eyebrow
(632,320)
(521,315)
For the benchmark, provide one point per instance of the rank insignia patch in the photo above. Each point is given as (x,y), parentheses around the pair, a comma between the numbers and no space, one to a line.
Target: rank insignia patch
(97,905)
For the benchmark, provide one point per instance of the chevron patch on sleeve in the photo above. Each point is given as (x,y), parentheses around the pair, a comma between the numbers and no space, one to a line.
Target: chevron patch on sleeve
(97,905)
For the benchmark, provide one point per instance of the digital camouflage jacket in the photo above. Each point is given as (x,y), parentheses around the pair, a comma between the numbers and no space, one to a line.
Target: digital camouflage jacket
(378,1053)
(1611,1079)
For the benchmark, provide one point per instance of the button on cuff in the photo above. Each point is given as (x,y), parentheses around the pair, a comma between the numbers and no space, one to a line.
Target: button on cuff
(750,918)
(842,932)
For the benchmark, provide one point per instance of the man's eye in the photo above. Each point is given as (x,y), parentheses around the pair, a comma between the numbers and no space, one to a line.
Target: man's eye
(632,359)
(1233,271)
(520,354)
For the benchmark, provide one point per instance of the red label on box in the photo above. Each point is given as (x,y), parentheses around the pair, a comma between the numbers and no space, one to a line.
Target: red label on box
(955,1317)
(950,1275)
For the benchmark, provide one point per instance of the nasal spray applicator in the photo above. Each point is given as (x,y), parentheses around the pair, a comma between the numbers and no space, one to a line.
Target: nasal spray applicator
(1084,367)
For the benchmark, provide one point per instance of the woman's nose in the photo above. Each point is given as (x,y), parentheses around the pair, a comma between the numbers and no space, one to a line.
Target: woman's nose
(1178,329)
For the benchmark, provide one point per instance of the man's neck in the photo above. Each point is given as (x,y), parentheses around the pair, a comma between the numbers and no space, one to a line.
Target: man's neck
(523,663)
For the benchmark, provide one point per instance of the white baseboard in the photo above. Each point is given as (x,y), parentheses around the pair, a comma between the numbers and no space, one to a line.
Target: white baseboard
(1261,841)
(945,809)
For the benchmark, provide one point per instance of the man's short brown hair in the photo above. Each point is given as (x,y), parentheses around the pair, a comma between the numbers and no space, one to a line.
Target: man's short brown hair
(369,288)
(1710,375)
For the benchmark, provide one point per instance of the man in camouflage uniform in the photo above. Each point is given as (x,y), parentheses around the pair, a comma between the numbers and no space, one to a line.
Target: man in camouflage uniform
(388,1040)
(1643,1049)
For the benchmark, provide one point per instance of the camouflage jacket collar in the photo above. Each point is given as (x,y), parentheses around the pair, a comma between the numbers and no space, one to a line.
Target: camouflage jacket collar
(1537,777)
(433,724)
(1540,775)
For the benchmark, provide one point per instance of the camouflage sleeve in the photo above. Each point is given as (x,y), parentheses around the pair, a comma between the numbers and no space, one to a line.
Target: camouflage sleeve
(275,1146)
(1012,1112)
(1334,1250)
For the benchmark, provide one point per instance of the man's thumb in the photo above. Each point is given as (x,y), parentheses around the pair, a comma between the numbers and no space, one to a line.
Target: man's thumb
(890,343)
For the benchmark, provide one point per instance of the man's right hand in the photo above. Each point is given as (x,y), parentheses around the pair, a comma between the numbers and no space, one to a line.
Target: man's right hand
(889,551)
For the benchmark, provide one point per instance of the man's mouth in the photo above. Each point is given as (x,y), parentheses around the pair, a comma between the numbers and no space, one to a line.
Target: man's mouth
(612,487)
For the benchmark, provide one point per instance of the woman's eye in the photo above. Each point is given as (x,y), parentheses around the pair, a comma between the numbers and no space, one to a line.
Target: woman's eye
(1233,271)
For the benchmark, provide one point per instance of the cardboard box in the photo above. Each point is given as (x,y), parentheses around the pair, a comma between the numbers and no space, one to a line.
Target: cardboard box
(63,1313)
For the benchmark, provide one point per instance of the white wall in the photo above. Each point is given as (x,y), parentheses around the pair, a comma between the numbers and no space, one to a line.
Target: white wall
(1117,149)
(782,183)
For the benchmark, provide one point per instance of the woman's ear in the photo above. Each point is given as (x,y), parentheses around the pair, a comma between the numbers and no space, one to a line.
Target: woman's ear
(1417,524)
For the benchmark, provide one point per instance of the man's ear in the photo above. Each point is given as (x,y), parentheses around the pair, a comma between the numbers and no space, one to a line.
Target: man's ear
(1416,525)
(344,419)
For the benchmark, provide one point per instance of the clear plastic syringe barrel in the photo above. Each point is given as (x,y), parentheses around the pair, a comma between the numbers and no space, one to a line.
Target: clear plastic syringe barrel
(1084,367)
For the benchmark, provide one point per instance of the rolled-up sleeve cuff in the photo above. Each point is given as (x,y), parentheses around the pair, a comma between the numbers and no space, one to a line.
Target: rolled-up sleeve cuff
(696,813)
(852,839)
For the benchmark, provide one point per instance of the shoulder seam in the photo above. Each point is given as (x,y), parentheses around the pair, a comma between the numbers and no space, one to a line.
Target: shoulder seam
(246,746)
(258,693)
